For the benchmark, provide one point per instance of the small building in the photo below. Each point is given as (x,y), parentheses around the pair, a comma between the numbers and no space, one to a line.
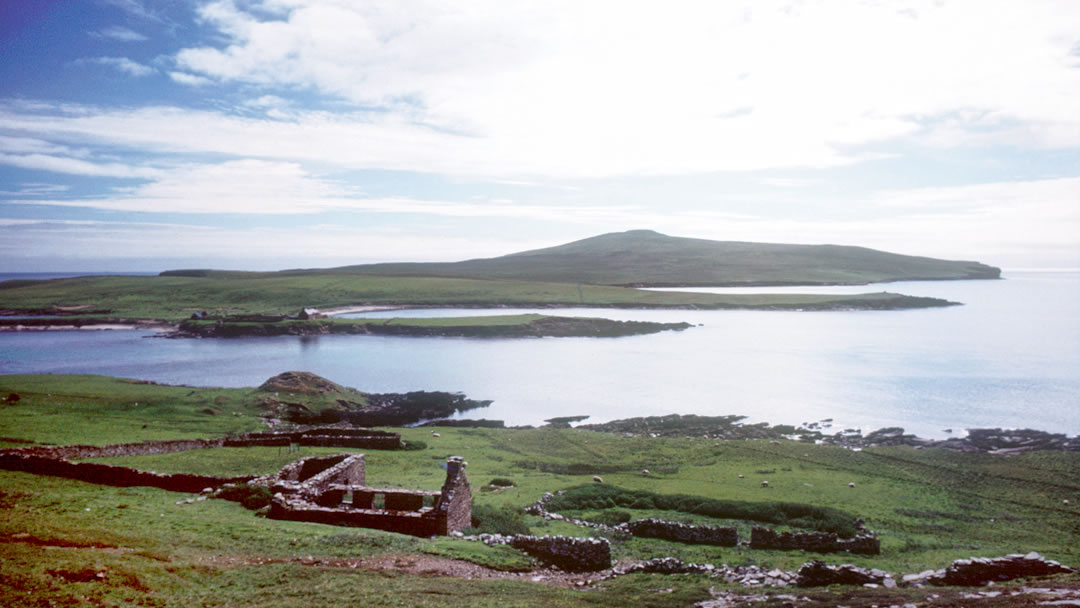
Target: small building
(331,490)
(309,313)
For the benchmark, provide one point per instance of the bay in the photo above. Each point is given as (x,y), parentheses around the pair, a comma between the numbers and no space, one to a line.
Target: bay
(1009,357)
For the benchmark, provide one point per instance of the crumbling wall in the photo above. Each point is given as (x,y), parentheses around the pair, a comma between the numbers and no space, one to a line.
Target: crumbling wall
(725,536)
(349,470)
(314,490)
(417,523)
(978,571)
(455,501)
(110,475)
(78,452)
(331,437)
(817,542)
(566,552)
(322,437)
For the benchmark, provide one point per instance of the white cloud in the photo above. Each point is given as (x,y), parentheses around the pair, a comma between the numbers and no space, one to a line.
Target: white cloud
(622,87)
(263,248)
(521,91)
(123,64)
(119,32)
(30,145)
(36,189)
(138,9)
(192,80)
(268,187)
(62,164)
(267,101)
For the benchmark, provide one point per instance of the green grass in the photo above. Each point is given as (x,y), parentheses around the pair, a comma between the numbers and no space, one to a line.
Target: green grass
(511,326)
(929,507)
(176,298)
(99,410)
(604,496)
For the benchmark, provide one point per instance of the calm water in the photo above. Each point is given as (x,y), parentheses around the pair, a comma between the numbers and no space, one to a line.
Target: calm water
(1009,357)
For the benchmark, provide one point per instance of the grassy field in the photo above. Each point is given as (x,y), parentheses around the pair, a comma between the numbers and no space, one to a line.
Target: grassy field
(496,326)
(136,546)
(173,298)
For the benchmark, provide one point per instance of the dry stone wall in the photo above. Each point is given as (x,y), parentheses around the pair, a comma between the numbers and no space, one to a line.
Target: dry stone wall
(760,538)
(566,552)
(978,571)
(416,523)
(724,536)
(816,542)
(315,490)
(78,452)
(110,475)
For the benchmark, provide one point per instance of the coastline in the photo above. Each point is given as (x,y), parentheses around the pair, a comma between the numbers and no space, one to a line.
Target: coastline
(75,324)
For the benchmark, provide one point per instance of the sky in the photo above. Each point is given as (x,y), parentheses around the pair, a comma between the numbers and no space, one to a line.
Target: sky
(140,135)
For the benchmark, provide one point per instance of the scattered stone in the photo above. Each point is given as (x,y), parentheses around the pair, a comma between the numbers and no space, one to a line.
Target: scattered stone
(820,574)
(979,571)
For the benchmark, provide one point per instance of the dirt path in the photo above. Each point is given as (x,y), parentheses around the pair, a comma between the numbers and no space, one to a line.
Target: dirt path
(417,565)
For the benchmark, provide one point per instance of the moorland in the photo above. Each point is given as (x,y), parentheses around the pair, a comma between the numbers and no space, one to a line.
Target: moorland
(73,543)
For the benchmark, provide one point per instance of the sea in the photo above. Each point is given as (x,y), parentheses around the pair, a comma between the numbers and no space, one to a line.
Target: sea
(1008,357)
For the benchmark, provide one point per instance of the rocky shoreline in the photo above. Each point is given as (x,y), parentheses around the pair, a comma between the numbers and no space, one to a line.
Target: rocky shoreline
(985,440)
(67,323)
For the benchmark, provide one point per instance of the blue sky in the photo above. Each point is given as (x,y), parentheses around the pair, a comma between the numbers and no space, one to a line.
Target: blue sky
(263,134)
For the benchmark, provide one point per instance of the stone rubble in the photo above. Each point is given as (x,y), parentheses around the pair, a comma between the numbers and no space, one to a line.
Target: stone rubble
(978,571)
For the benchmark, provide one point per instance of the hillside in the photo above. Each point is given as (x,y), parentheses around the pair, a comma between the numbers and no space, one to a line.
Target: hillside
(174,298)
(648,258)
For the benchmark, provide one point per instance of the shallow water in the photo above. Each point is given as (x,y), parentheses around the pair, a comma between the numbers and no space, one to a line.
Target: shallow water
(1009,357)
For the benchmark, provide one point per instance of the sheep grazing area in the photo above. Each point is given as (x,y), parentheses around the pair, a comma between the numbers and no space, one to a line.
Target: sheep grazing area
(68,542)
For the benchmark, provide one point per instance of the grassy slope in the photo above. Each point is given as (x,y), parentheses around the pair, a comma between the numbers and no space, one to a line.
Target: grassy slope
(644,257)
(928,506)
(175,298)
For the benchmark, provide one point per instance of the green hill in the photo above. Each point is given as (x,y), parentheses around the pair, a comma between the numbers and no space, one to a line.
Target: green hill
(648,258)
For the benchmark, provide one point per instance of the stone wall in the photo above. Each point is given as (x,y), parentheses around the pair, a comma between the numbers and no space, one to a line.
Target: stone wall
(417,523)
(78,452)
(817,542)
(724,536)
(322,437)
(981,570)
(332,437)
(315,490)
(110,475)
(566,552)
(455,499)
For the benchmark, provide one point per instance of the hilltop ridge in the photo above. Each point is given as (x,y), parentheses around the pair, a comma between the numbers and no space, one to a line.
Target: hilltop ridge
(649,258)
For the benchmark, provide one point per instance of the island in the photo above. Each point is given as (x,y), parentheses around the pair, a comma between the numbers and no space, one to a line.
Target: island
(606,271)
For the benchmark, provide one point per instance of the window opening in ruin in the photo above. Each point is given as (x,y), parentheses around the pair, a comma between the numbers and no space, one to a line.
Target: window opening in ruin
(380,501)
(429,501)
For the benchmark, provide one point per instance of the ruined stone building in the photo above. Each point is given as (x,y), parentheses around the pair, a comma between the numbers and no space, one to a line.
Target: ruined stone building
(332,490)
